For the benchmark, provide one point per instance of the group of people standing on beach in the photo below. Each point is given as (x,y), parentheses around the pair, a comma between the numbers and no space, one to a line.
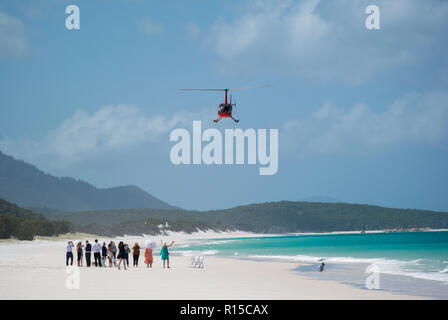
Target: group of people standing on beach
(113,254)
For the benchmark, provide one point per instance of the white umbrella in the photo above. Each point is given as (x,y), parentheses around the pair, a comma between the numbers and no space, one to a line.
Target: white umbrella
(151,244)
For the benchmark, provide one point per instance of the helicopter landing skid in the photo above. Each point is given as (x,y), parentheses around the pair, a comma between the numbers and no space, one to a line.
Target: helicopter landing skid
(217,120)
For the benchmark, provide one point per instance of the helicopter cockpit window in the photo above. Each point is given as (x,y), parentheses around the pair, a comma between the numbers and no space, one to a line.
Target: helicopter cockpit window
(225,108)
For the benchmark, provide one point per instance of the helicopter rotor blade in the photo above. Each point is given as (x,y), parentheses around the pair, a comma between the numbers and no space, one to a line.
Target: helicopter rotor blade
(188,89)
(252,87)
(232,89)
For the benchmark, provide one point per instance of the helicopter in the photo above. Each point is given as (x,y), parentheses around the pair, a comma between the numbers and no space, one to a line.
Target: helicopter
(225,109)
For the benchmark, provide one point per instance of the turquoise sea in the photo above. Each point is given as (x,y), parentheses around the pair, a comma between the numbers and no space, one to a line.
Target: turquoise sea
(413,255)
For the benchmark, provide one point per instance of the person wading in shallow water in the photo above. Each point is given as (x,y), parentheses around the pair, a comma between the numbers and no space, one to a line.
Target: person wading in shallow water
(165,254)
(322,267)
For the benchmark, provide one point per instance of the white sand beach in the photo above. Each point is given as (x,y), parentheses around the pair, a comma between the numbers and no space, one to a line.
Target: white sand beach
(36,270)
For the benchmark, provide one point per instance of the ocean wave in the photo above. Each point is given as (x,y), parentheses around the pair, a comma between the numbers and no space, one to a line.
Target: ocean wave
(183,245)
(444,270)
(213,242)
(409,268)
(206,242)
(435,276)
(316,259)
(190,253)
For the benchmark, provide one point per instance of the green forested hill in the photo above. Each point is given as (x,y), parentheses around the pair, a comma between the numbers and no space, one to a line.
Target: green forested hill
(11,209)
(29,187)
(271,217)
(24,224)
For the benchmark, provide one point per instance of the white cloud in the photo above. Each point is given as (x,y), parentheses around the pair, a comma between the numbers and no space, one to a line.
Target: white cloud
(13,41)
(327,40)
(150,27)
(111,129)
(415,119)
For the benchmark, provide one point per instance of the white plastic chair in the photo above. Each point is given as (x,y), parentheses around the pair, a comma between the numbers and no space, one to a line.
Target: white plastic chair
(197,262)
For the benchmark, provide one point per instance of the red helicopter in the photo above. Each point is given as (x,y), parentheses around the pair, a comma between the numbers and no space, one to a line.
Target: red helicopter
(225,109)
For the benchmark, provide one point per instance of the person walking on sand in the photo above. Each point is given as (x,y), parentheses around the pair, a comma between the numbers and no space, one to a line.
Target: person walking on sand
(69,253)
(88,252)
(114,250)
(148,257)
(121,255)
(110,255)
(165,254)
(135,254)
(97,253)
(126,253)
(79,252)
(103,254)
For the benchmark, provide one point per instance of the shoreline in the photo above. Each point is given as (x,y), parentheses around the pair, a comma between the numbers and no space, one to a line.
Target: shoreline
(211,234)
(309,270)
(36,270)
(399,281)
(222,278)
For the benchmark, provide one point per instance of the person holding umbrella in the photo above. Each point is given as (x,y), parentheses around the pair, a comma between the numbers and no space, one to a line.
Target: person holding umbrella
(150,245)
(165,254)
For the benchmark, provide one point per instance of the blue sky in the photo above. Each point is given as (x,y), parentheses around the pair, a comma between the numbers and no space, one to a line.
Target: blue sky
(362,114)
